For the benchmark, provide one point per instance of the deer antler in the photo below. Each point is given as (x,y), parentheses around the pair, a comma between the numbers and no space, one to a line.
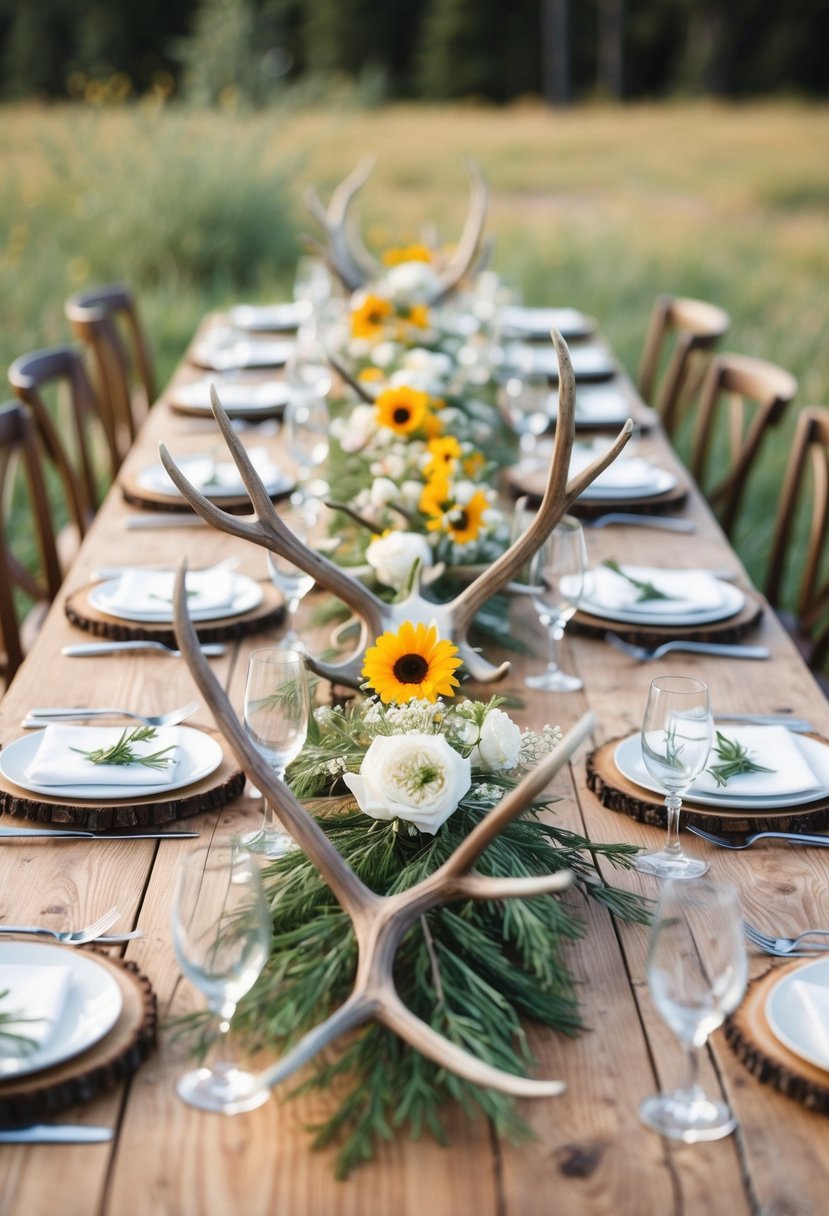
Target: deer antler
(350,259)
(380,922)
(467,247)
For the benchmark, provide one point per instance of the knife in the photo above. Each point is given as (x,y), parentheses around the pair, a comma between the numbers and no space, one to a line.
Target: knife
(56,1133)
(798,725)
(80,650)
(162,519)
(667,523)
(78,834)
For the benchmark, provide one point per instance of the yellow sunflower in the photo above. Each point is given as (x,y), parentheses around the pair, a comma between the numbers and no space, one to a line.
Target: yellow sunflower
(460,521)
(412,663)
(443,457)
(368,318)
(402,409)
(407,253)
(370,375)
(473,463)
(434,497)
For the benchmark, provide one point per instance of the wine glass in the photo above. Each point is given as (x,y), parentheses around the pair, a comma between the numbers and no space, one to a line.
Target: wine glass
(293,583)
(696,975)
(557,574)
(306,432)
(312,284)
(277,706)
(677,733)
(523,404)
(221,936)
(308,370)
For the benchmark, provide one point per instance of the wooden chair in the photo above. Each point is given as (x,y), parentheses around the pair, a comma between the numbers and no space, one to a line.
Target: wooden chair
(106,321)
(22,468)
(740,399)
(800,593)
(681,335)
(86,432)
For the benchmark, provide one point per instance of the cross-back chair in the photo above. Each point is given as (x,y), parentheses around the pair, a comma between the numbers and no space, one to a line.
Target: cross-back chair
(804,609)
(681,335)
(105,319)
(22,481)
(84,429)
(743,398)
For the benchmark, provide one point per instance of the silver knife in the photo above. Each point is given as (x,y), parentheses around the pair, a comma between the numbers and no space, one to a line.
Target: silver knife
(81,650)
(56,1133)
(668,523)
(162,519)
(798,725)
(78,834)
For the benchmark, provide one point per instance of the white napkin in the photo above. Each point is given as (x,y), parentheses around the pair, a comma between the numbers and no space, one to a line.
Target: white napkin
(207,474)
(151,591)
(813,1002)
(55,763)
(690,590)
(773,746)
(589,360)
(541,320)
(36,993)
(626,472)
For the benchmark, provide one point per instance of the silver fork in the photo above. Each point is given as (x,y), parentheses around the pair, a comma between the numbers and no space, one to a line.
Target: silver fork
(666,523)
(785,946)
(40,717)
(745,842)
(73,937)
(644,653)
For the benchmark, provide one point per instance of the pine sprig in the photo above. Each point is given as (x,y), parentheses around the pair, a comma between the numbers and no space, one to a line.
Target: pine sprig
(647,590)
(122,752)
(734,760)
(21,1042)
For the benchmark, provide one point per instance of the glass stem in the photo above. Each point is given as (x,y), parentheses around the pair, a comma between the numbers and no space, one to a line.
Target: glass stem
(268,821)
(221,1057)
(690,1087)
(555,632)
(672,805)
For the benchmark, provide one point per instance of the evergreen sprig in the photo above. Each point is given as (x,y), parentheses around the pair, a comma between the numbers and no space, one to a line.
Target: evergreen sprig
(734,760)
(647,590)
(122,752)
(21,1041)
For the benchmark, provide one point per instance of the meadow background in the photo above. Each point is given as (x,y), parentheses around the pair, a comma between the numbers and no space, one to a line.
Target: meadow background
(597,206)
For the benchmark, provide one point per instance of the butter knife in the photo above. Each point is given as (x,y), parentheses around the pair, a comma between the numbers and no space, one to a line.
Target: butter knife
(798,725)
(56,1133)
(78,834)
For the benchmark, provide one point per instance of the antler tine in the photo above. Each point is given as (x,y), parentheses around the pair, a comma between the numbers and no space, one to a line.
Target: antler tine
(586,477)
(222,521)
(351,893)
(470,237)
(552,508)
(361,390)
(479,668)
(354,266)
(345,192)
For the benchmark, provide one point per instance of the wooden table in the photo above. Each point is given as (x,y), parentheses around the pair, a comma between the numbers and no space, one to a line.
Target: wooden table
(591,1154)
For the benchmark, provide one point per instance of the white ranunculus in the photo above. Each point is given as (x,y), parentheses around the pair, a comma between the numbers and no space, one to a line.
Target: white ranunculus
(412,282)
(383,491)
(393,556)
(355,431)
(384,353)
(417,777)
(499,746)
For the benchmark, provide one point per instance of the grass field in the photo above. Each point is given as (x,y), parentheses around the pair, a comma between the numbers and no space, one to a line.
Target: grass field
(601,208)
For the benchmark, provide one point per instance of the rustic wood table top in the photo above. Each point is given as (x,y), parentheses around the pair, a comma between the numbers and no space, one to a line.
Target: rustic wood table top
(590,1153)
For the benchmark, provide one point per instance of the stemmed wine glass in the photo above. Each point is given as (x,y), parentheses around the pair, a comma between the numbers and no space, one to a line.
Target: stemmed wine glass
(306,431)
(293,583)
(312,284)
(524,406)
(557,574)
(697,975)
(677,733)
(221,936)
(277,705)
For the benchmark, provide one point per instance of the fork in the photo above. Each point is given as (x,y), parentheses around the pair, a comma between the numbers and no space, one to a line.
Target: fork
(73,937)
(666,523)
(745,842)
(643,653)
(785,946)
(39,717)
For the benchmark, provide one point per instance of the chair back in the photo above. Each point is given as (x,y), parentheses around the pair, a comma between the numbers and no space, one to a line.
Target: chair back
(805,493)
(105,319)
(741,399)
(21,460)
(681,334)
(86,430)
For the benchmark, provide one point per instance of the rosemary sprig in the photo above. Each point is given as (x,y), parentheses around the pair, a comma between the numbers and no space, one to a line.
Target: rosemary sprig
(123,752)
(21,1041)
(647,591)
(734,759)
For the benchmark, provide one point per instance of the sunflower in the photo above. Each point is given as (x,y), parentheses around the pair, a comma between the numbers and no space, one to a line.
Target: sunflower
(402,409)
(412,663)
(462,522)
(368,318)
(416,315)
(407,253)
(370,375)
(443,457)
(434,497)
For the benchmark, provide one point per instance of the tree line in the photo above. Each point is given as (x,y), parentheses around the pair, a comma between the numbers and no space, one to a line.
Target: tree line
(489,50)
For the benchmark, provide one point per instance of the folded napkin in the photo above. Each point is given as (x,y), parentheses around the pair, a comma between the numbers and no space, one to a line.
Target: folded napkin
(812,1001)
(35,996)
(773,746)
(690,591)
(626,473)
(207,474)
(55,763)
(151,591)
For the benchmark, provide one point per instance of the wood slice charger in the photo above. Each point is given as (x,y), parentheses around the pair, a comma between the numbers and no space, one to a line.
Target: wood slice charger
(750,1037)
(731,629)
(138,495)
(100,1068)
(616,792)
(533,483)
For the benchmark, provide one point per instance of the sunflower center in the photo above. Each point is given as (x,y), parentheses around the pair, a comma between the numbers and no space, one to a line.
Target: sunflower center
(461,521)
(411,669)
(401,415)
(375,317)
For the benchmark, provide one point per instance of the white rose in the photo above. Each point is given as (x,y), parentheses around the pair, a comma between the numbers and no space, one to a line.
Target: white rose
(432,361)
(409,377)
(355,431)
(412,282)
(419,778)
(384,354)
(383,491)
(499,746)
(393,556)
(410,493)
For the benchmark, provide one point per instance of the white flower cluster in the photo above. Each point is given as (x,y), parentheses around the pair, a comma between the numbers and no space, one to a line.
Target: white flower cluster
(535,746)
(413,718)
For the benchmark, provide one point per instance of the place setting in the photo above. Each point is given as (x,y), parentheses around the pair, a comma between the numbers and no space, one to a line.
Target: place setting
(592,362)
(534,324)
(218,480)
(245,399)
(224,348)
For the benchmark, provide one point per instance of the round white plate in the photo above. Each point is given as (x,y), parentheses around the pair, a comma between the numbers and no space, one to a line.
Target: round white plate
(225,353)
(266,318)
(597,405)
(732,601)
(628,760)
(536,323)
(789,1021)
(200,755)
(237,396)
(589,362)
(247,594)
(156,479)
(661,482)
(93,1005)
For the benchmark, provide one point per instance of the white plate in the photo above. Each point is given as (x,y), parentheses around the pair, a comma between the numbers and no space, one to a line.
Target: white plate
(537,322)
(733,600)
(247,594)
(789,1021)
(661,482)
(266,318)
(93,1005)
(222,350)
(156,479)
(237,397)
(589,362)
(628,759)
(200,755)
